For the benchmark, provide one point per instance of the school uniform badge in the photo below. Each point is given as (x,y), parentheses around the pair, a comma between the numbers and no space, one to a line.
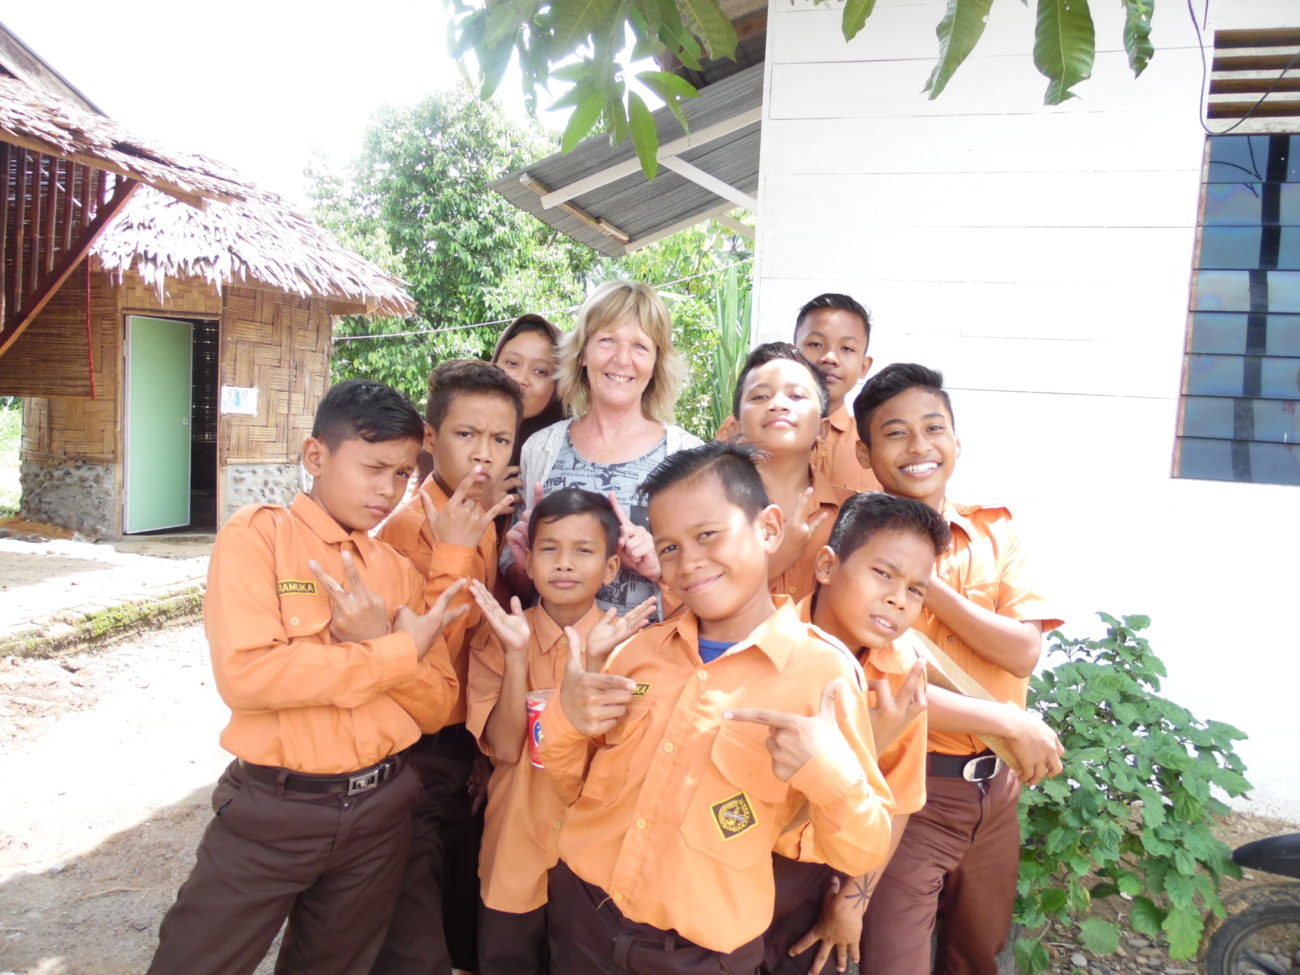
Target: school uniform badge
(733,815)
(642,689)
(291,587)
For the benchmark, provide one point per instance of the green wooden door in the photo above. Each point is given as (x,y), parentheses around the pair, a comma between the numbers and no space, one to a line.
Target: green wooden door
(159,373)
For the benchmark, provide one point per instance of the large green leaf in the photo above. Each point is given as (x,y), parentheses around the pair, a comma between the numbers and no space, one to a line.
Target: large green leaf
(1064,46)
(583,118)
(1137,33)
(672,89)
(959,31)
(505,18)
(855,17)
(644,136)
(1098,936)
(575,20)
(711,25)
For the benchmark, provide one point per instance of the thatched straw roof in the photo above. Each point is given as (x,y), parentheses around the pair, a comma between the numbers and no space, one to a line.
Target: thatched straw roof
(257,241)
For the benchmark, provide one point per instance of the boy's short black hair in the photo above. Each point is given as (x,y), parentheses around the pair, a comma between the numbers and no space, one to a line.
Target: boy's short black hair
(733,464)
(769,352)
(894,379)
(841,302)
(870,512)
(458,377)
(570,501)
(366,409)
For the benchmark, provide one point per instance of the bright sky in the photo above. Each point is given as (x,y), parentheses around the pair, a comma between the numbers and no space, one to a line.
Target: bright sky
(256,84)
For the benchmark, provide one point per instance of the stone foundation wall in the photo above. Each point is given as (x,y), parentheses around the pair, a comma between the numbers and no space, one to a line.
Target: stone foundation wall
(260,484)
(70,493)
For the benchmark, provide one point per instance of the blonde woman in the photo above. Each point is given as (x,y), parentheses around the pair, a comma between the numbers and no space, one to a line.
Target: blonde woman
(618,377)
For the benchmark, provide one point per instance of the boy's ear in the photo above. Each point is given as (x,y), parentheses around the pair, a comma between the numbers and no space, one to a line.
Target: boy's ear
(823,428)
(866,363)
(824,566)
(958,443)
(771,522)
(430,437)
(864,455)
(611,569)
(528,562)
(314,453)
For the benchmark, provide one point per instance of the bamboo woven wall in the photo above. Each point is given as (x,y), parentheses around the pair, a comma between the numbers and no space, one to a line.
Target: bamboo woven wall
(280,345)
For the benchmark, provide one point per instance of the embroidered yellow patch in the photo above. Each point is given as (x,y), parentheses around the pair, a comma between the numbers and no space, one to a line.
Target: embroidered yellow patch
(734,815)
(642,689)
(286,587)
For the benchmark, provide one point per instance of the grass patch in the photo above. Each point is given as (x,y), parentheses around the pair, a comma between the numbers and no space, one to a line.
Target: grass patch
(11,429)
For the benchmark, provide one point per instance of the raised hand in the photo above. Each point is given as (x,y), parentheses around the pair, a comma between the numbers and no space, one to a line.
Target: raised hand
(359,613)
(801,525)
(891,713)
(793,739)
(592,702)
(425,630)
(511,628)
(636,546)
(613,630)
(462,521)
(1036,749)
(517,536)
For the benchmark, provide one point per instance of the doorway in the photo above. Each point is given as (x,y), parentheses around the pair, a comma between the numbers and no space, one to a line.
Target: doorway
(170,446)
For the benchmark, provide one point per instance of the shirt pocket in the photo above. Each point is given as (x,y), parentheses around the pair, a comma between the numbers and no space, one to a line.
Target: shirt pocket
(608,773)
(735,814)
(304,615)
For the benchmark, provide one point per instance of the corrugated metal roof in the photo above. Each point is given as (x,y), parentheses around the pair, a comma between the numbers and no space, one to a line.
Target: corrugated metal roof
(638,207)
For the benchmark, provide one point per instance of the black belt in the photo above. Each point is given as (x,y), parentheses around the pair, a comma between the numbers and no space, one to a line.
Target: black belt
(351,784)
(972,768)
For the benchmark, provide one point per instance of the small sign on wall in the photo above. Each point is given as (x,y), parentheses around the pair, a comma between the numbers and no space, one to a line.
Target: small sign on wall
(240,400)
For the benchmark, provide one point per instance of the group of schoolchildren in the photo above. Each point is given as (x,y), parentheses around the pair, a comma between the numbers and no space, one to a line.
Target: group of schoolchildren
(764,781)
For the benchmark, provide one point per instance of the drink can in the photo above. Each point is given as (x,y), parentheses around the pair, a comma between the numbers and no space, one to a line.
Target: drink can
(536,704)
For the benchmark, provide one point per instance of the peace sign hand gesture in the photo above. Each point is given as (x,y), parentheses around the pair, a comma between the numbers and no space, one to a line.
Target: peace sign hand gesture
(510,628)
(592,702)
(612,630)
(793,739)
(425,630)
(891,713)
(517,536)
(359,613)
(462,521)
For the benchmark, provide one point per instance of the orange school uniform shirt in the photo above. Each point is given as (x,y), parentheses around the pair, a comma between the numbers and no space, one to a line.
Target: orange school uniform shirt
(521,826)
(986,564)
(408,532)
(902,763)
(676,814)
(837,455)
(298,698)
(798,581)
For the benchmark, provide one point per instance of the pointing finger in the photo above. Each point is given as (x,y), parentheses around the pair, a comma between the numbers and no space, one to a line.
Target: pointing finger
(575,650)
(350,574)
(326,580)
(618,510)
(537,493)
(463,488)
(764,716)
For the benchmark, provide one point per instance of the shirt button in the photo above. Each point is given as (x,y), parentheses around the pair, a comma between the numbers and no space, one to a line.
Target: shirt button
(293,621)
(793,590)
(618,897)
(556,825)
(668,746)
(703,675)
(640,824)
(952,639)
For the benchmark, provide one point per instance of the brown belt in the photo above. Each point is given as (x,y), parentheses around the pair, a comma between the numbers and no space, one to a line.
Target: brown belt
(351,784)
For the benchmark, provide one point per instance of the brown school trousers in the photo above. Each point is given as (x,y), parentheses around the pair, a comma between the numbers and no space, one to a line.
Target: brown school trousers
(330,864)
(588,935)
(435,920)
(800,888)
(958,859)
(512,944)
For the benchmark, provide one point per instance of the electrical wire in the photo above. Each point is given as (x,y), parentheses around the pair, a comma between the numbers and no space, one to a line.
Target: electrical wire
(1200,43)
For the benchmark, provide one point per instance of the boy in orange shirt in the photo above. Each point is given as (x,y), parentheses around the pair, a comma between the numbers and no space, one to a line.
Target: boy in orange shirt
(520,657)
(781,402)
(872,577)
(471,419)
(959,855)
(328,687)
(712,732)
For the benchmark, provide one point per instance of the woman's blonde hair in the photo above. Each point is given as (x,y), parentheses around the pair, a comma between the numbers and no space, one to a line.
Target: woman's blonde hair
(612,304)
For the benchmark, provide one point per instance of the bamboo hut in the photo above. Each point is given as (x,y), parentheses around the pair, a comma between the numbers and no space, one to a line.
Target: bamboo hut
(167,324)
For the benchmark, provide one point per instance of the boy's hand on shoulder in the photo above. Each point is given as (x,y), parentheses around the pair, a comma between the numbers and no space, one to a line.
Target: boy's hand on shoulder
(462,521)
(1036,749)
(891,713)
(510,628)
(425,630)
(517,536)
(359,613)
(793,739)
(613,630)
(636,546)
(592,702)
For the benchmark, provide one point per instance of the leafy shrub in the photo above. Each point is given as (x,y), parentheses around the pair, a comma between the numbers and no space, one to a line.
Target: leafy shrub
(1131,812)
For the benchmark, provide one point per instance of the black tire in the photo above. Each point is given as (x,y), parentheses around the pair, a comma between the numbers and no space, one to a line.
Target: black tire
(1234,947)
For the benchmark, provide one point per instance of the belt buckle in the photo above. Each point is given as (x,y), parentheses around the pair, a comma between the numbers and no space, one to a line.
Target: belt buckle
(971,771)
(365,781)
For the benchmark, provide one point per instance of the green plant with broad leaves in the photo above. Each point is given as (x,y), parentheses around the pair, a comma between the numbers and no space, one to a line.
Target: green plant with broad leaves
(584,44)
(732,303)
(1130,815)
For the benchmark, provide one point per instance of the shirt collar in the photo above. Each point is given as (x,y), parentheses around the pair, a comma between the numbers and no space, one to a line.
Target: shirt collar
(434,490)
(322,523)
(547,634)
(842,420)
(962,515)
(775,637)
(824,492)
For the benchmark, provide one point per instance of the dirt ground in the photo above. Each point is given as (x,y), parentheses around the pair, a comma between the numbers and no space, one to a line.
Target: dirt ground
(109,759)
